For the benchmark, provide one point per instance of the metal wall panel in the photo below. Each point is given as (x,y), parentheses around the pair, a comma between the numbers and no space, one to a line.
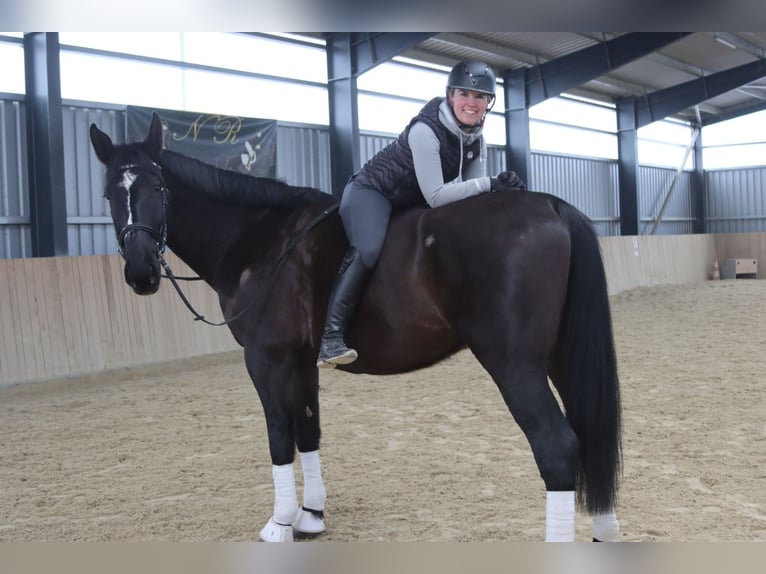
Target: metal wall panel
(653,186)
(303,156)
(15,234)
(588,184)
(495,160)
(89,226)
(370,144)
(735,200)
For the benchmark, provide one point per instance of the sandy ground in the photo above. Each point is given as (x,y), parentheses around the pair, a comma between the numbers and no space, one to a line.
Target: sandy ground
(178,452)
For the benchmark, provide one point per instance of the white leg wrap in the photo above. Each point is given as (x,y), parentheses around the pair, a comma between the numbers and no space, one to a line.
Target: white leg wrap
(606,527)
(285,499)
(560,517)
(314,493)
(314,496)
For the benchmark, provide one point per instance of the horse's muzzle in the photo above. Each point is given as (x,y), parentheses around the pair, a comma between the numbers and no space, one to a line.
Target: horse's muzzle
(143,277)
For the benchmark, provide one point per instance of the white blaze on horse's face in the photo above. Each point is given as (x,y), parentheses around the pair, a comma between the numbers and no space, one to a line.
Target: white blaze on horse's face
(128,177)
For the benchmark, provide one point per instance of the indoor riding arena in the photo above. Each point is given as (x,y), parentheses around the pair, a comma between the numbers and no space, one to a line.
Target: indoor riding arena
(177,450)
(125,418)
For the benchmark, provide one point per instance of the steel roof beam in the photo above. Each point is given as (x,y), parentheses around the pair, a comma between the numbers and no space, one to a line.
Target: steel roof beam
(663,103)
(735,112)
(567,72)
(368,49)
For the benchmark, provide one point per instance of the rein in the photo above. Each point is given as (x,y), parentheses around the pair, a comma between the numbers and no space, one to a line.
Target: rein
(274,266)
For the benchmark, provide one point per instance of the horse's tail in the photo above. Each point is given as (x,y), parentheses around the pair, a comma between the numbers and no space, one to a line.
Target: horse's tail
(591,389)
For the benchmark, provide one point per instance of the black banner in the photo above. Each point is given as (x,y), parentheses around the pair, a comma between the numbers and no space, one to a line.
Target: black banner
(239,144)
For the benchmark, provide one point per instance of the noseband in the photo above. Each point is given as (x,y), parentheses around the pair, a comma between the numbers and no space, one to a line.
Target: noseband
(160,236)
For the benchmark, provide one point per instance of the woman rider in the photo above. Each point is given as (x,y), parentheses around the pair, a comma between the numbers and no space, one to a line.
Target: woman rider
(440,157)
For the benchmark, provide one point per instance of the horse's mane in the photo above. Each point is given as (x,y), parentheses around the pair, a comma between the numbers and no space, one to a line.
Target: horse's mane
(234,187)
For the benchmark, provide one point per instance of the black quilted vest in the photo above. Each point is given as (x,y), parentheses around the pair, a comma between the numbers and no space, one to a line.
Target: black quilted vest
(391,170)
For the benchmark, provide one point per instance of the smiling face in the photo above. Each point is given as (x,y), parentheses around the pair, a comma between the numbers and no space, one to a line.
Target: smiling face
(469,106)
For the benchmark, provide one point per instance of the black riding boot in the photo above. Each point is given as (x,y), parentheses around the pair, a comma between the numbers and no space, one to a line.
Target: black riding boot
(345,294)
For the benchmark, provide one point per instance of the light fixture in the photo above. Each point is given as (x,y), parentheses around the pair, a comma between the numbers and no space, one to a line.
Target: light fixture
(725,42)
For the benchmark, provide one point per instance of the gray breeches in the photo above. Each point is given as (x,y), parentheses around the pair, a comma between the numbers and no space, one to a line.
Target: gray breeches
(365,213)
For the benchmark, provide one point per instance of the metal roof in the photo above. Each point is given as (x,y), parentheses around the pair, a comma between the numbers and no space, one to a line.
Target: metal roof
(693,57)
(724,73)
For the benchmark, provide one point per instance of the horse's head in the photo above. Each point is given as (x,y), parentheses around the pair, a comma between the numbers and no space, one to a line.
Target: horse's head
(137,197)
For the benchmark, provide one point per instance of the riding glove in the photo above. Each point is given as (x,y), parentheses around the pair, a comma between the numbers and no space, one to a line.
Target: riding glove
(506,181)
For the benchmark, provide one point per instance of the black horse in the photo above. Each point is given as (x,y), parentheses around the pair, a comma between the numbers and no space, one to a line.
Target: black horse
(516,277)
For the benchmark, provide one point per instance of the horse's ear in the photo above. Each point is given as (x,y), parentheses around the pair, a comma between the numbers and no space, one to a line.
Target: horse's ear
(154,138)
(102,144)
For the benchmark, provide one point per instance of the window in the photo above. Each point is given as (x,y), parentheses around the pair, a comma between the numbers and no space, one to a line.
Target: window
(739,142)
(572,126)
(261,77)
(665,143)
(12,78)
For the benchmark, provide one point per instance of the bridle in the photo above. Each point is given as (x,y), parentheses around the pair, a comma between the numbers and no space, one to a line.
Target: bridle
(160,237)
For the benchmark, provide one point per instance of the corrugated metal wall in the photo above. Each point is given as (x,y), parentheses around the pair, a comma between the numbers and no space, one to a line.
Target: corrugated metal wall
(588,184)
(15,237)
(735,198)
(654,183)
(89,226)
(303,156)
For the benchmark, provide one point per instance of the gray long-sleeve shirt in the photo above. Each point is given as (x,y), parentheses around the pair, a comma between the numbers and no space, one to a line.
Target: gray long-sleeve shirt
(428,170)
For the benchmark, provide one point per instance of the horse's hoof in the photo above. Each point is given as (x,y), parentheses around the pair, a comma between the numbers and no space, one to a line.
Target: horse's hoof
(275,532)
(308,523)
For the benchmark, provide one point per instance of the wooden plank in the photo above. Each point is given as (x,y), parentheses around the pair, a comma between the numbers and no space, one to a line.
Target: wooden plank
(74,315)
(96,326)
(35,283)
(50,298)
(118,344)
(12,365)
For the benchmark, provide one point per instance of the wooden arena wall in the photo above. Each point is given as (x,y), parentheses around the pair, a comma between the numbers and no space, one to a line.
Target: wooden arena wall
(62,316)
(65,316)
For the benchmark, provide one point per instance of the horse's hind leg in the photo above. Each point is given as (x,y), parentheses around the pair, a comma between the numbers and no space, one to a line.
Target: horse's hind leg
(606,527)
(288,394)
(523,385)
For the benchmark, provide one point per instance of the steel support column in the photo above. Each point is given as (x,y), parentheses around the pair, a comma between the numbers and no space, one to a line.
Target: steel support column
(517,147)
(699,209)
(627,165)
(344,111)
(348,56)
(45,145)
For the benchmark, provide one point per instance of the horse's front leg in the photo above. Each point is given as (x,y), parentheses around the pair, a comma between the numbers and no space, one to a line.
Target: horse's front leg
(287,518)
(310,519)
(291,409)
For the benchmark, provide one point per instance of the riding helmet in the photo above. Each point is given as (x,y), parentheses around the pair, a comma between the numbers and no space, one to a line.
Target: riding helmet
(472,75)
